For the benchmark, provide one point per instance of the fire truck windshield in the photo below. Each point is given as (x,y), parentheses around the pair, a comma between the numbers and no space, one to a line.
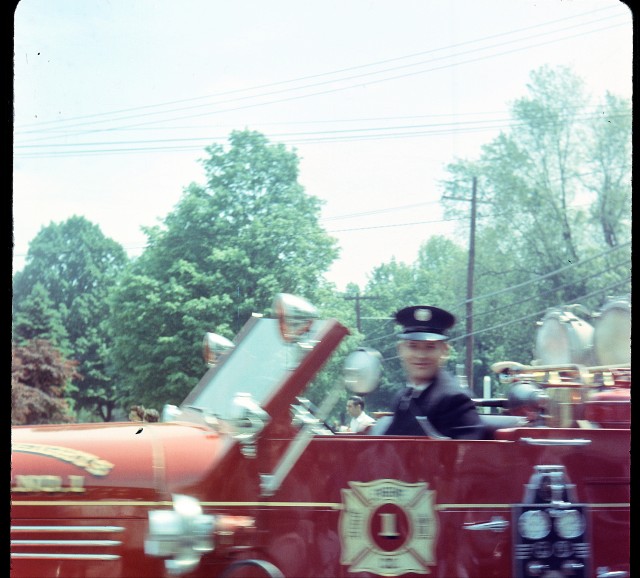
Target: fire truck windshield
(258,365)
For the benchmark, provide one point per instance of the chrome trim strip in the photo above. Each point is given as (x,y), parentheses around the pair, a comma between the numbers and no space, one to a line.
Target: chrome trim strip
(110,543)
(27,555)
(67,529)
(497,524)
(556,442)
(83,503)
(265,504)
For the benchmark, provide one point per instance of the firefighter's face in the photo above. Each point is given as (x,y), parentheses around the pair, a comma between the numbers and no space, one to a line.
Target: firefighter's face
(422,359)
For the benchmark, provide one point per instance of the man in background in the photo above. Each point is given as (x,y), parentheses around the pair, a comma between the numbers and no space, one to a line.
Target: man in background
(360,421)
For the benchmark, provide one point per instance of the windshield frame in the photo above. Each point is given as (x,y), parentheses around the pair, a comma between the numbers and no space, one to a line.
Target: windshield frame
(265,366)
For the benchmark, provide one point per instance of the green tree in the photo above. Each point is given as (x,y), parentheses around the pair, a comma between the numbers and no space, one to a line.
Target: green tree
(529,177)
(609,163)
(535,181)
(223,253)
(39,318)
(553,212)
(61,294)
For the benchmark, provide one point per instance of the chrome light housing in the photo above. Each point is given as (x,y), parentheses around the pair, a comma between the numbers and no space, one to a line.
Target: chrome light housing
(295,316)
(214,346)
(362,370)
(248,419)
(181,535)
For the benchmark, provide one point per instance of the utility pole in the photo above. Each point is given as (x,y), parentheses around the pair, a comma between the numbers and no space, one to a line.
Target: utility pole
(357,297)
(470,269)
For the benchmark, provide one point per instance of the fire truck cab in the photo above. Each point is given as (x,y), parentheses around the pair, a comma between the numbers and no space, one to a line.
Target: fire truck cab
(244,480)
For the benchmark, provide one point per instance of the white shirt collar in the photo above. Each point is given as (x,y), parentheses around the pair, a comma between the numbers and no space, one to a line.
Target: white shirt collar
(418,389)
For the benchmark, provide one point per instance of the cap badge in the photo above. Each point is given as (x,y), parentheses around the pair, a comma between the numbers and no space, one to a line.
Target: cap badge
(422,314)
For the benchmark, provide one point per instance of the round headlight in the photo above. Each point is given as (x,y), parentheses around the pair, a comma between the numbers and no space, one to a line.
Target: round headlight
(569,524)
(534,524)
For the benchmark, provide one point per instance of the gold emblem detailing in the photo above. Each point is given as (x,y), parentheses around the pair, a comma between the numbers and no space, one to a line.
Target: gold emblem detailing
(422,314)
(92,464)
(388,527)
(47,484)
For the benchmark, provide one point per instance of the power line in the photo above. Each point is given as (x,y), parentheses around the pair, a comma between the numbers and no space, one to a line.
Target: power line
(338,71)
(547,275)
(388,226)
(494,310)
(187,144)
(530,315)
(540,313)
(379,211)
(518,286)
(353,77)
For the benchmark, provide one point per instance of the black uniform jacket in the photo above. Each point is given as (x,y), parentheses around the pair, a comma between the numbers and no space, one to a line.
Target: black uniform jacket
(445,404)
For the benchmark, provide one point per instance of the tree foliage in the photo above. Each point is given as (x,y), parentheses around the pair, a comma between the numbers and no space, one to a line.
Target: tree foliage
(609,167)
(39,318)
(553,230)
(61,296)
(553,214)
(39,376)
(223,253)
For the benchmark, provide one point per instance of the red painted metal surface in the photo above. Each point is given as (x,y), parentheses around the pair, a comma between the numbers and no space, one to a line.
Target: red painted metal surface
(350,505)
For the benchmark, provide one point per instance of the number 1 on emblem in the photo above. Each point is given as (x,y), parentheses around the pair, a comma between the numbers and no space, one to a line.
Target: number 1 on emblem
(388,527)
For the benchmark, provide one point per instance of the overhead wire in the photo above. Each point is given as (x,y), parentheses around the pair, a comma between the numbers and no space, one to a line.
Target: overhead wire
(545,276)
(187,144)
(380,211)
(602,290)
(510,305)
(526,317)
(519,286)
(58,121)
(314,94)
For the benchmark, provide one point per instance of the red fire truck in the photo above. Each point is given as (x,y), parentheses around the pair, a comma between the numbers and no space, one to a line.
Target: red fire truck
(244,480)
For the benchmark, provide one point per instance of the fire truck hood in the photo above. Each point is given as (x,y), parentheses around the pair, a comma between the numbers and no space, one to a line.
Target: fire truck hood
(89,461)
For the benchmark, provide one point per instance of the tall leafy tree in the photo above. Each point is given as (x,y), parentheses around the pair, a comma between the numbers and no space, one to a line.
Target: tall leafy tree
(225,250)
(609,163)
(537,181)
(70,269)
(553,212)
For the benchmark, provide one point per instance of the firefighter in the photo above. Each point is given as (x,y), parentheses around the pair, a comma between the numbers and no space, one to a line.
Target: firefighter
(432,403)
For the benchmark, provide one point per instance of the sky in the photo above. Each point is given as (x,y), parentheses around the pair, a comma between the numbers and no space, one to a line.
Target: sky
(116,100)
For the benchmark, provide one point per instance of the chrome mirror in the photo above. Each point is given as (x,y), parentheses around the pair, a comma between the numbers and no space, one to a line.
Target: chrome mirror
(362,370)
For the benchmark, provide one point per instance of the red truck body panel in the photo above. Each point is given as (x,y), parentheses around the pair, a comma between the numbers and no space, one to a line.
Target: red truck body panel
(347,506)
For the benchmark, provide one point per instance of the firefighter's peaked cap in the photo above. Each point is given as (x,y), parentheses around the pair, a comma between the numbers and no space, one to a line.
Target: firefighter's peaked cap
(424,323)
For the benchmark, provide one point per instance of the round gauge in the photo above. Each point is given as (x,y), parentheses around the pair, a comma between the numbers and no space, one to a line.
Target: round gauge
(541,549)
(562,549)
(534,524)
(569,524)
